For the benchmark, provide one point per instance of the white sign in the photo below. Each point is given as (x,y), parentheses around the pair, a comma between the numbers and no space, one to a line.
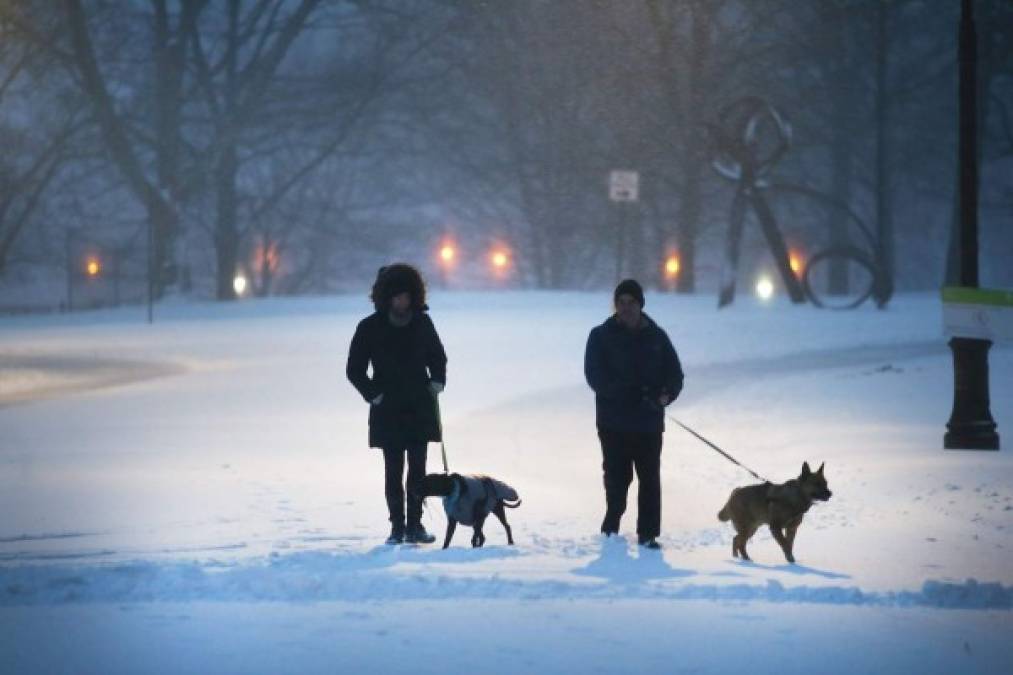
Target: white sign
(980,313)
(624,186)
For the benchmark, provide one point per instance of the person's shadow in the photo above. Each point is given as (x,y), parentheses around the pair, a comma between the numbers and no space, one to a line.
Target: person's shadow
(615,564)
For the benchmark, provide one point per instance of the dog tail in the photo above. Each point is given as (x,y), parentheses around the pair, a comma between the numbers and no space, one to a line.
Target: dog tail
(723,514)
(512,506)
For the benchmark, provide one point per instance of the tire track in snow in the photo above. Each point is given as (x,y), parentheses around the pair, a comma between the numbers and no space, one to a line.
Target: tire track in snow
(28,378)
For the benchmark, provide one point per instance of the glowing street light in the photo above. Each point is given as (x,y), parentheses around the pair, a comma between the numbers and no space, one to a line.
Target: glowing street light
(93,267)
(795,262)
(448,254)
(672,267)
(499,259)
(239,284)
(765,288)
(446,259)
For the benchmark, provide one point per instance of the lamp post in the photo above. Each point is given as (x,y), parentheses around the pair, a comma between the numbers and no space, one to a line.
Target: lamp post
(971,426)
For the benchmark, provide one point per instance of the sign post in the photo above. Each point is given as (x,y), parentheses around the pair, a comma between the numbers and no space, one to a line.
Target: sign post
(624,186)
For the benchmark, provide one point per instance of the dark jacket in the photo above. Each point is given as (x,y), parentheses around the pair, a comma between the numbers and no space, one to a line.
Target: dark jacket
(628,370)
(405,360)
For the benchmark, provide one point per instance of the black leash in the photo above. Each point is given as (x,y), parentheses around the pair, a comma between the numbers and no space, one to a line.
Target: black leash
(443,449)
(439,421)
(726,455)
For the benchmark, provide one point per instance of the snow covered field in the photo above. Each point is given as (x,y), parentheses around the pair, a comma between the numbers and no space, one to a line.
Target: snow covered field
(197,496)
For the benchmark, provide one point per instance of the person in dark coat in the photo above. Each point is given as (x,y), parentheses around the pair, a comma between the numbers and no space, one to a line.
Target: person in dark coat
(635,372)
(409,369)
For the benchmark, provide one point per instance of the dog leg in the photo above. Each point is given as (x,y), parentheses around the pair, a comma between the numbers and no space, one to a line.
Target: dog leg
(744,533)
(742,547)
(789,535)
(782,542)
(451,526)
(501,514)
(478,539)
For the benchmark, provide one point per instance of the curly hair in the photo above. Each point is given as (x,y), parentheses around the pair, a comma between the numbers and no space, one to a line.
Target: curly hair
(394,279)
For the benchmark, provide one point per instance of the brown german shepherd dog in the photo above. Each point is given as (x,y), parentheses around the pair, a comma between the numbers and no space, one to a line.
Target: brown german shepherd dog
(779,506)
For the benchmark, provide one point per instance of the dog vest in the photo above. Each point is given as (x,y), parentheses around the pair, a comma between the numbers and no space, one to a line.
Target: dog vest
(479,496)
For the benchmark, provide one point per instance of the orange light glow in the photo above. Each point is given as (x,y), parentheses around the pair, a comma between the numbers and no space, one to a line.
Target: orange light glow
(795,262)
(266,257)
(448,254)
(672,266)
(499,259)
(93,267)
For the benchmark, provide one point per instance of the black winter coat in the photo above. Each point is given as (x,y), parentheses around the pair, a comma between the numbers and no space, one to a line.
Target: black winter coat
(628,370)
(405,360)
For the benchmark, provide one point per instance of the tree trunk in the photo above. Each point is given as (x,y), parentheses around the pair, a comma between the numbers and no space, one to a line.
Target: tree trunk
(884,214)
(226,229)
(841,176)
(686,234)
(161,213)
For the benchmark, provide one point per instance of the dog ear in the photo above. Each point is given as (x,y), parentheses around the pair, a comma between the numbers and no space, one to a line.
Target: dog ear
(805,469)
(820,470)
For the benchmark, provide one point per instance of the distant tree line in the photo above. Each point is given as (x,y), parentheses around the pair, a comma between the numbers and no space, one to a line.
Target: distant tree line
(305,142)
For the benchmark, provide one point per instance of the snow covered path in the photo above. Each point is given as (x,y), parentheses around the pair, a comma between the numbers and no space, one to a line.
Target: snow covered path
(239,483)
(502,636)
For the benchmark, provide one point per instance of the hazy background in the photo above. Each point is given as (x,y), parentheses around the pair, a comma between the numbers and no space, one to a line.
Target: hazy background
(304,143)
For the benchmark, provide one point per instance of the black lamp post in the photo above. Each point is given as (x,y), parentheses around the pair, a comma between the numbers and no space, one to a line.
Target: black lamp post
(971,426)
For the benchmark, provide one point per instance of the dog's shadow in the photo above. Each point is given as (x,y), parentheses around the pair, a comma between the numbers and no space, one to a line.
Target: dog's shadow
(792,568)
(615,564)
(386,556)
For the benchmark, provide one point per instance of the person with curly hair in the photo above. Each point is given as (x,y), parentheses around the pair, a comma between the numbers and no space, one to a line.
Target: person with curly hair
(409,369)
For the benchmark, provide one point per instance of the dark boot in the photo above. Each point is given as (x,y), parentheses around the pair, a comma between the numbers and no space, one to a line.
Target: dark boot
(417,535)
(397,535)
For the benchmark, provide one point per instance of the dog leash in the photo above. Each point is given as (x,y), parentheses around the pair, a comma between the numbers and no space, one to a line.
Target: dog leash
(439,422)
(726,455)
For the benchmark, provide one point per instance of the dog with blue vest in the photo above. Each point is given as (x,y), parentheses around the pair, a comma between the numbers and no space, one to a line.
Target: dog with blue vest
(469,499)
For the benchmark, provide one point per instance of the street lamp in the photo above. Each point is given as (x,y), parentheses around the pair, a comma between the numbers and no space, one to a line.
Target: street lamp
(446,259)
(795,262)
(239,284)
(499,261)
(971,426)
(672,267)
(448,254)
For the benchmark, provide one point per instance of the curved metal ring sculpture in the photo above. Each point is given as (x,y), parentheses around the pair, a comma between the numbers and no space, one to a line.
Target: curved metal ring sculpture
(750,137)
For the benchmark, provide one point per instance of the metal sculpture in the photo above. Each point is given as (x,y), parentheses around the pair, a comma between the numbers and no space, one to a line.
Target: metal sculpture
(750,137)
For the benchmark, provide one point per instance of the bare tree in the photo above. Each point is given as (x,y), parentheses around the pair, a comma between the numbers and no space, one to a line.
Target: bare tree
(37,124)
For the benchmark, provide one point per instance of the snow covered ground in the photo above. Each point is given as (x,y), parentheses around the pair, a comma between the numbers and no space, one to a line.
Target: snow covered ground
(197,496)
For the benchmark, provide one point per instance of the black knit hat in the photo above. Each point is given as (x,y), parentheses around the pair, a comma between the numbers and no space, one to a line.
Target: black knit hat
(629,287)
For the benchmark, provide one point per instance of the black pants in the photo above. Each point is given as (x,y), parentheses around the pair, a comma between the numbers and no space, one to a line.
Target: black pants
(622,452)
(393,462)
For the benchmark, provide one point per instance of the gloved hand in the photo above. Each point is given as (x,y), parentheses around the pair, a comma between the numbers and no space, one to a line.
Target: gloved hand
(650,397)
(436,387)
(376,401)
